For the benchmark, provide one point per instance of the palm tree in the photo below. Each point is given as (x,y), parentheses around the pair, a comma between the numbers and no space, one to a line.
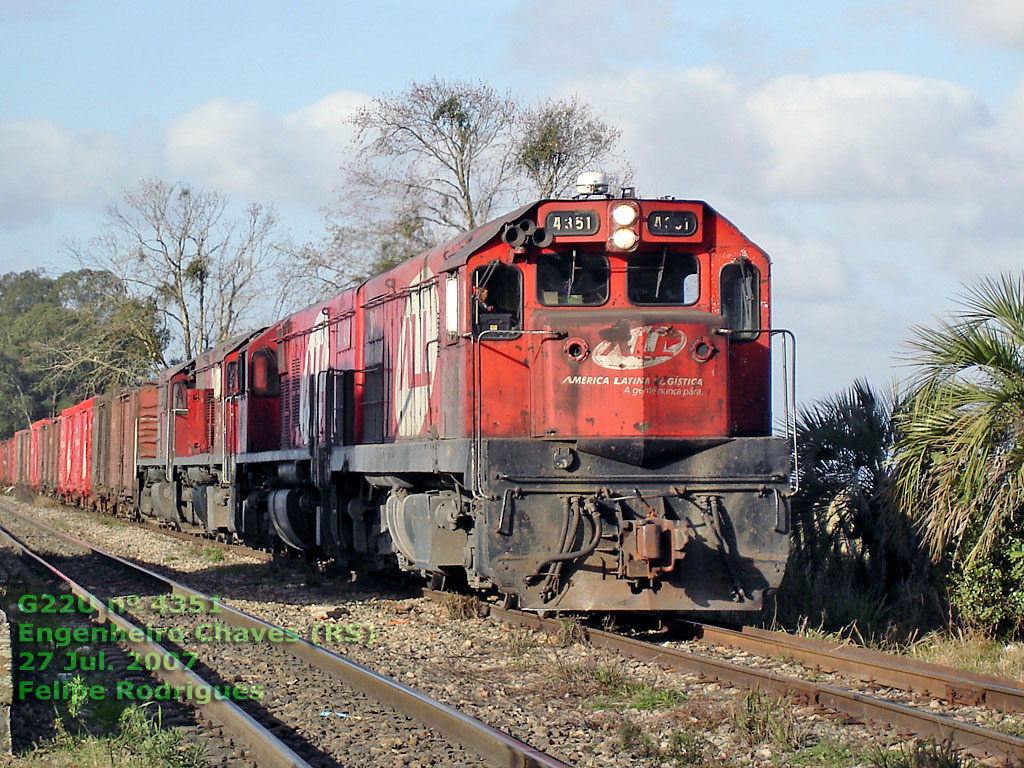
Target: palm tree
(960,458)
(855,555)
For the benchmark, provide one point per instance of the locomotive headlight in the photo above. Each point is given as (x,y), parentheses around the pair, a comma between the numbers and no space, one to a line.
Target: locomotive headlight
(624,214)
(624,238)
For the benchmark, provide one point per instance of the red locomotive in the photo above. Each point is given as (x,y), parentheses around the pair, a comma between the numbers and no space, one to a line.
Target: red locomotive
(569,404)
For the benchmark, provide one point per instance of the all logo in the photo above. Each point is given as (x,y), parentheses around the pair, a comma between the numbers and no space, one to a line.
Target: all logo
(626,348)
(314,362)
(417,355)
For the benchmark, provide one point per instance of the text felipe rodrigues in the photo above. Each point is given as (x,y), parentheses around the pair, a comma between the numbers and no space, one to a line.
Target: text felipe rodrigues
(128,691)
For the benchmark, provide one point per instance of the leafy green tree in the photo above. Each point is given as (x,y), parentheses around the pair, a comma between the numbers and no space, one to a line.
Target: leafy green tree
(106,338)
(65,339)
(856,556)
(961,453)
(26,316)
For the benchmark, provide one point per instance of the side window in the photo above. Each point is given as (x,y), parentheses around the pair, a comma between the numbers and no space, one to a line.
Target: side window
(234,375)
(741,299)
(264,381)
(179,399)
(496,296)
(451,307)
(663,278)
(576,278)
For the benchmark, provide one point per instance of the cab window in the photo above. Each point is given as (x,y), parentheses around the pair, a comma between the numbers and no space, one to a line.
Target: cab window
(496,294)
(576,278)
(663,278)
(741,298)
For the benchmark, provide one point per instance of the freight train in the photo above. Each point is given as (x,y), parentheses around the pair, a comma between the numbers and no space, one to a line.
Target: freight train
(569,405)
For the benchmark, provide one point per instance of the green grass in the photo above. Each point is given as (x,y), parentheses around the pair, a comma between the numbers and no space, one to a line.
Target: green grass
(608,687)
(973,651)
(684,747)
(139,742)
(760,718)
(213,554)
(827,755)
(922,754)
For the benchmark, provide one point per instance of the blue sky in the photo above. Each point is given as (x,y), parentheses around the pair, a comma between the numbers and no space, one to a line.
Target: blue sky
(875,149)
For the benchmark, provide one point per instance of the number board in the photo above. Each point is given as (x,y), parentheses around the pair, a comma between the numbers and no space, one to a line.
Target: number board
(672,223)
(572,223)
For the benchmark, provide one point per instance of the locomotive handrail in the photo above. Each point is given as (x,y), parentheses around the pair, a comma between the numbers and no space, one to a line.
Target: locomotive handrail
(477,444)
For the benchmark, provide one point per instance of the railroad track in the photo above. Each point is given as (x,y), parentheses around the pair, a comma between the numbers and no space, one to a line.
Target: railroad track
(882,669)
(875,669)
(266,749)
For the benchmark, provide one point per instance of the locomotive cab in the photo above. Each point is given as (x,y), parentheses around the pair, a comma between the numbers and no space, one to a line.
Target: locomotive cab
(621,389)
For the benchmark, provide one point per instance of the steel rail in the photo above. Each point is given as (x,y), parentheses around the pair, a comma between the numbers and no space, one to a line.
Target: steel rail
(954,685)
(861,707)
(490,743)
(265,748)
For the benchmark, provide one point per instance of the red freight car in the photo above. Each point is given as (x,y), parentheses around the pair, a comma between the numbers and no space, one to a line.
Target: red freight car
(49,449)
(22,457)
(124,431)
(75,453)
(36,449)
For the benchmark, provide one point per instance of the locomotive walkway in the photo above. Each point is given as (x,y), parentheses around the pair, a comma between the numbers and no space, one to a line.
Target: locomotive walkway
(266,749)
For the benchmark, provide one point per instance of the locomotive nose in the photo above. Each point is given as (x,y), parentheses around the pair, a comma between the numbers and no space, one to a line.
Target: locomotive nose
(637,376)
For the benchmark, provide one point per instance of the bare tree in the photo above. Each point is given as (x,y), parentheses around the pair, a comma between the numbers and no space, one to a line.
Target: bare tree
(557,141)
(445,146)
(441,158)
(209,274)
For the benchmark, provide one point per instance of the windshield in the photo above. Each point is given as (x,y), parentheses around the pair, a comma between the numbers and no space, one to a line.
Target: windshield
(573,278)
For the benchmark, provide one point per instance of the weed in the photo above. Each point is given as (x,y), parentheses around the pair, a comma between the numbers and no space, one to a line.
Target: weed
(140,742)
(79,695)
(520,641)
(827,755)
(761,718)
(460,607)
(611,688)
(922,754)
(1009,727)
(974,651)
(111,521)
(643,696)
(685,748)
(633,739)
(571,633)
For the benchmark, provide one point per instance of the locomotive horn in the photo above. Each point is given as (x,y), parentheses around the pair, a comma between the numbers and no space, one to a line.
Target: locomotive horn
(527,226)
(513,235)
(542,238)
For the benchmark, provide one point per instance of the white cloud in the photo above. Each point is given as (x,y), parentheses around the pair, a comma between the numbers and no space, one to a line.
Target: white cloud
(989,21)
(587,35)
(45,166)
(244,150)
(812,267)
(867,135)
